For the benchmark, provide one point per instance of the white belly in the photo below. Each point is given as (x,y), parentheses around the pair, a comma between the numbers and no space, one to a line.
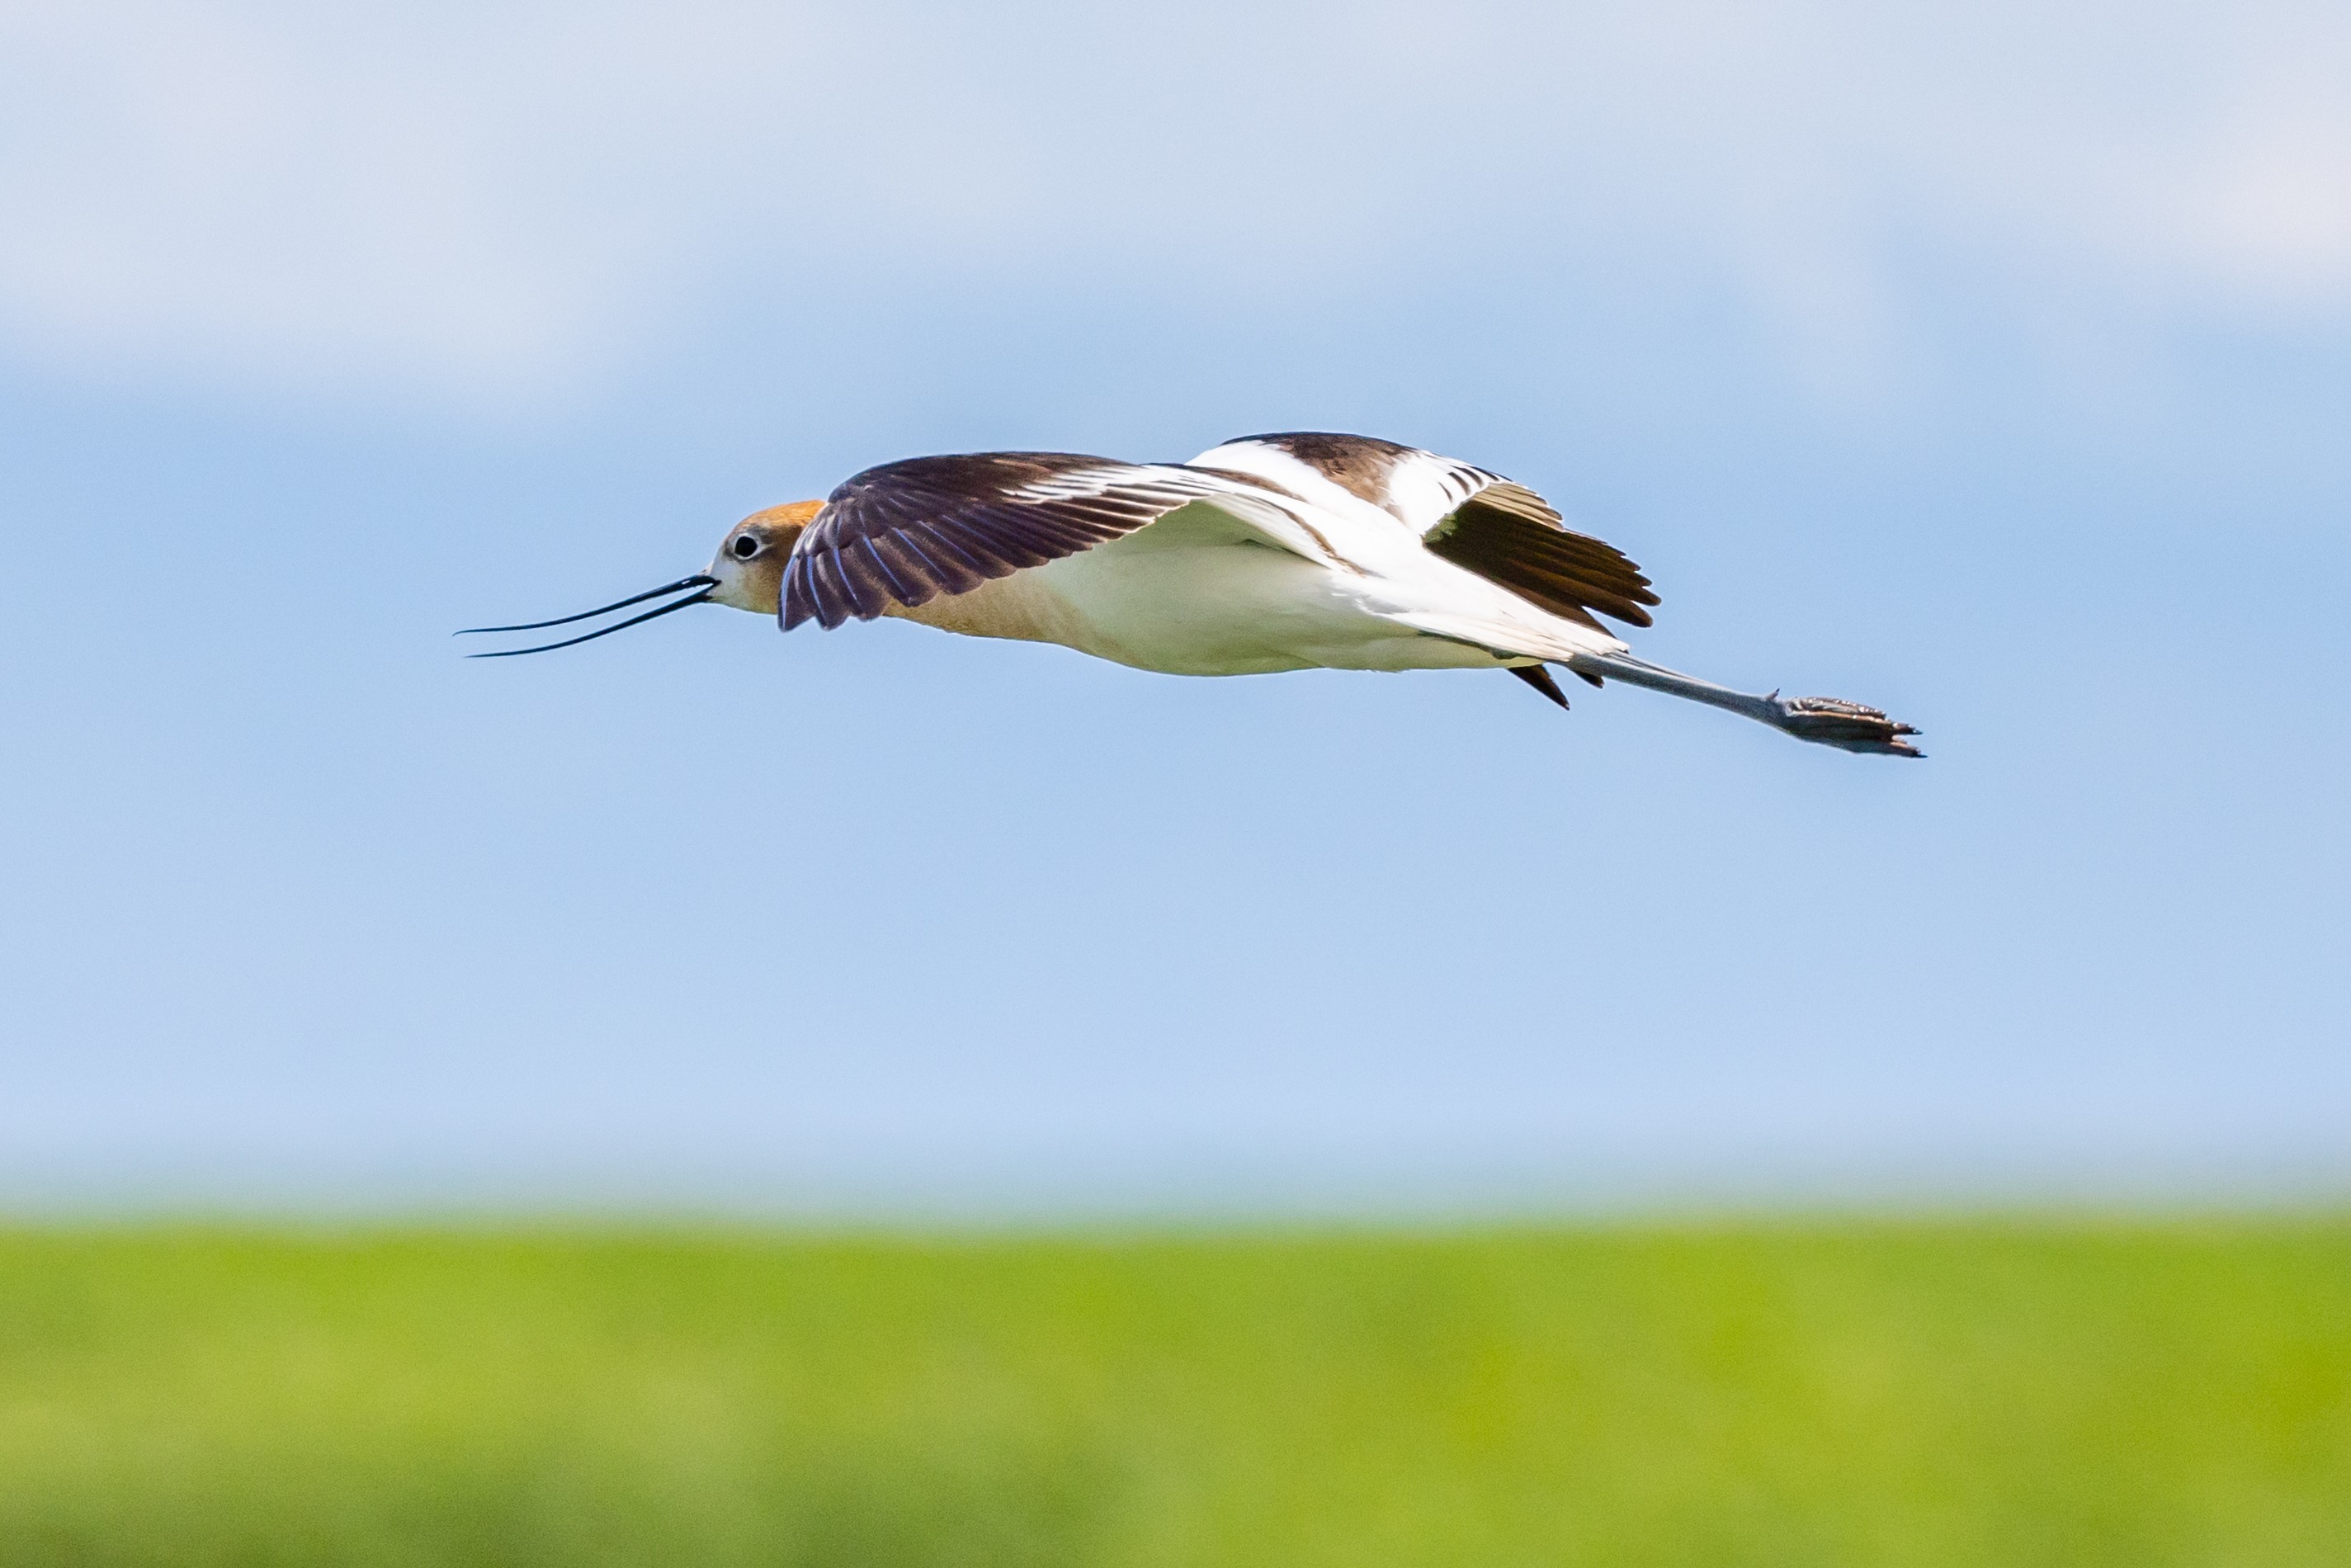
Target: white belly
(1201,608)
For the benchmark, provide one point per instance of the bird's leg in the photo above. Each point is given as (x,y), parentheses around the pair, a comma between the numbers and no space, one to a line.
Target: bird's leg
(1829,721)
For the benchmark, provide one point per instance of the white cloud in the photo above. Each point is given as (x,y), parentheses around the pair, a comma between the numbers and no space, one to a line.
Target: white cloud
(490,203)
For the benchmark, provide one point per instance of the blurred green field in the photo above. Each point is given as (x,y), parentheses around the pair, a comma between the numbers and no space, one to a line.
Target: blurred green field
(1827,1394)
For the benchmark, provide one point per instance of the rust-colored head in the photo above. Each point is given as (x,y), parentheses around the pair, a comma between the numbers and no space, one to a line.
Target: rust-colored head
(749,565)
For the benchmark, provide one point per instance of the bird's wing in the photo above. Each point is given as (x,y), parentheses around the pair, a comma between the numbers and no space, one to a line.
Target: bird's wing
(910,532)
(1477,519)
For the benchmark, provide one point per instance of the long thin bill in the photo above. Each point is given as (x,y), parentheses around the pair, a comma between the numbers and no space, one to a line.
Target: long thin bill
(684,603)
(699,580)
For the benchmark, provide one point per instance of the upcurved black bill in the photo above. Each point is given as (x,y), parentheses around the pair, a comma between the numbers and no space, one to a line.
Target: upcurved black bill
(700,597)
(699,580)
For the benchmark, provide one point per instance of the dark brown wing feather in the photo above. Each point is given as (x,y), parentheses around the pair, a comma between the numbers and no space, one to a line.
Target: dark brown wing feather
(910,532)
(1539,678)
(1507,535)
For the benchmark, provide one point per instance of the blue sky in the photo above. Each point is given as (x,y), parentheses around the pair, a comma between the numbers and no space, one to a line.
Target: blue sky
(1989,366)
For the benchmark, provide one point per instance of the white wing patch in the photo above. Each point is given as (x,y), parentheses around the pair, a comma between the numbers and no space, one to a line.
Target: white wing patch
(1279,468)
(1086,484)
(1415,487)
(1467,515)
(1422,488)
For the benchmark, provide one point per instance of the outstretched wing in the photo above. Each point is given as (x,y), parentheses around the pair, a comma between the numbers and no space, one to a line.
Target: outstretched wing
(910,532)
(1502,531)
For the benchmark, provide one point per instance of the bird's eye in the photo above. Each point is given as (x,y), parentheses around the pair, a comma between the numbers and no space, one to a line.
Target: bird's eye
(746,548)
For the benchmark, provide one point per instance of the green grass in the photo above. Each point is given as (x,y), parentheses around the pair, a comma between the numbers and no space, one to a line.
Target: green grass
(1930,1394)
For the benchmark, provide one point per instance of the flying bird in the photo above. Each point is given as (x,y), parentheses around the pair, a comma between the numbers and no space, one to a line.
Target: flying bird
(1292,551)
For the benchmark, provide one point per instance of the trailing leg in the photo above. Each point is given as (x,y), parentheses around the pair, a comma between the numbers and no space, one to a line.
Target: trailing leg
(1826,721)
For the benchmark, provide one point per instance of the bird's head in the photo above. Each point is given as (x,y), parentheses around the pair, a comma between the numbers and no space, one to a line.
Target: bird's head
(747,573)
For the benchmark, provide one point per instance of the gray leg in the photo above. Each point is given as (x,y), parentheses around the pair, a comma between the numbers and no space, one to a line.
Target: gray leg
(1830,721)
